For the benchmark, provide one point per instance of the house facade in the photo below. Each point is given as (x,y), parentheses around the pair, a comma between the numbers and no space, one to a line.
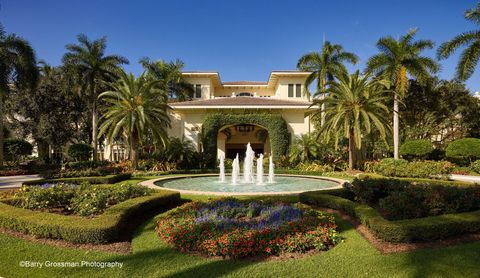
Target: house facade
(283,94)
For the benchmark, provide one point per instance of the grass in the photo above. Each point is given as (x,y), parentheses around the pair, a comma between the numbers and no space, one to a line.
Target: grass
(354,257)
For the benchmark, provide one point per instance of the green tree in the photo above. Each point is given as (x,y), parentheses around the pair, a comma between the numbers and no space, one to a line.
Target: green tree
(471,54)
(354,108)
(304,147)
(170,78)
(398,59)
(18,69)
(88,61)
(135,107)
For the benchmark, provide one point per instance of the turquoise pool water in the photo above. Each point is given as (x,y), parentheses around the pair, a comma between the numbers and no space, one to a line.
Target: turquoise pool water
(212,184)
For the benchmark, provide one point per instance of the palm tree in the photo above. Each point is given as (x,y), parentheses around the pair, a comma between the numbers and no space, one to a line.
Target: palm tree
(18,68)
(398,59)
(136,107)
(354,106)
(303,148)
(471,39)
(88,60)
(170,76)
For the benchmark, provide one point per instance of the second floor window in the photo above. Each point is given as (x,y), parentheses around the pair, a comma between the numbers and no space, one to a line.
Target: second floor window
(295,90)
(198,91)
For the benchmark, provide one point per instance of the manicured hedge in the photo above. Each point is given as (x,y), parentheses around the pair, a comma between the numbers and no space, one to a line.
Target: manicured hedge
(411,230)
(275,125)
(464,151)
(93,180)
(415,169)
(112,225)
(419,149)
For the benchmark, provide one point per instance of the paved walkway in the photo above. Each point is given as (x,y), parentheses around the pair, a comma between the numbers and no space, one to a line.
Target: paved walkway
(16,181)
(475,179)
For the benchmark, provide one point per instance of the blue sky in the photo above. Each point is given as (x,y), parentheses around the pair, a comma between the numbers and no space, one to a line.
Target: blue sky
(242,40)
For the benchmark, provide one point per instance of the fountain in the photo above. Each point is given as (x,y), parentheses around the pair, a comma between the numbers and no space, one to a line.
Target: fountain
(271,173)
(235,170)
(260,169)
(248,165)
(222,168)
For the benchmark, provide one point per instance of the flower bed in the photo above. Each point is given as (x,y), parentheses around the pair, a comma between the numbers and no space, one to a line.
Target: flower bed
(238,229)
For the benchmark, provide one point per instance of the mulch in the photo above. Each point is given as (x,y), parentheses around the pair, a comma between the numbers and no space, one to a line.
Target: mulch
(389,247)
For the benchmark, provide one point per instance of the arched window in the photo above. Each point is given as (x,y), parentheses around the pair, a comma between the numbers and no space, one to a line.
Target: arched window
(244,94)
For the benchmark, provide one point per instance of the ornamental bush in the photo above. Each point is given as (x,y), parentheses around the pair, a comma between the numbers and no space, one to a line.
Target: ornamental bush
(15,149)
(415,169)
(475,166)
(80,151)
(237,229)
(416,149)
(275,124)
(464,151)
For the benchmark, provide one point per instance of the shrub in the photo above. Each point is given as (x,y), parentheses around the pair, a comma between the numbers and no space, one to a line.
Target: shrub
(410,230)
(80,151)
(475,166)
(44,197)
(116,223)
(464,151)
(93,180)
(13,172)
(314,167)
(415,169)
(86,164)
(15,149)
(416,149)
(236,229)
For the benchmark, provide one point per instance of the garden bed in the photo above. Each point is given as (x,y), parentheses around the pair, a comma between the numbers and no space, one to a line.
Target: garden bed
(109,179)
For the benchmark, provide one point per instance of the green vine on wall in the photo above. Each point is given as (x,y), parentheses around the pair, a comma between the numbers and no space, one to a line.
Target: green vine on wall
(275,125)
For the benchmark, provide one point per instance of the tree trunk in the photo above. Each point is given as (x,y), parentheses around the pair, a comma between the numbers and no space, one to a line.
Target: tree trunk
(352,150)
(134,150)
(1,130)
(324,95)
(396,138)
(94,120)
(42,150)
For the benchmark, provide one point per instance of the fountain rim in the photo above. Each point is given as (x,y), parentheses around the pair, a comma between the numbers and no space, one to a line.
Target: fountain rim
(151,184)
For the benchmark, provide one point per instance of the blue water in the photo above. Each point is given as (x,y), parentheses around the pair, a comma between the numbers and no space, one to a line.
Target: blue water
(212,184)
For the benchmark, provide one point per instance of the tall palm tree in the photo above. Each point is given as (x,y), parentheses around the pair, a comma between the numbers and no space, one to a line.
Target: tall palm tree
(18,68)
(398,59)
(471,39)
(354,106)
(88,60)
(136,107)
(170,76)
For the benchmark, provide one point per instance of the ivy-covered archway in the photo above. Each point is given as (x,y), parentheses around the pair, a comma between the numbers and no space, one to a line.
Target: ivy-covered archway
(275,125)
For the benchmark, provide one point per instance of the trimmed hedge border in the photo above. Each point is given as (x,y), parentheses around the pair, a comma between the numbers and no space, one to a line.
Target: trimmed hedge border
(93,180)
(409,230)
(110,226)
(417,180)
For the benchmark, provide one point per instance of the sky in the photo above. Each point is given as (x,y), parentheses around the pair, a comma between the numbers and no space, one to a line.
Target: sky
(242,40)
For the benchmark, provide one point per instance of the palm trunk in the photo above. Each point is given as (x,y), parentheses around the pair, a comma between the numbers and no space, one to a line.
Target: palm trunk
(94,120)
(322,109)
(1,130)
(352,150)
(396,138)
(134,150)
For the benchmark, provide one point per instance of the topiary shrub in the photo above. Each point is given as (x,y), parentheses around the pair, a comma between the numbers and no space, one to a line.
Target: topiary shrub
(15,149)
(390,167)
(464,151)
(416,149)
(475,166)
(415,169)
(80,151)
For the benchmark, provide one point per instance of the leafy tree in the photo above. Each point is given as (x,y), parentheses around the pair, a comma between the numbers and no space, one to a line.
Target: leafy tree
(135,107)
(170,77)
(303,148)
(80,151)
(88,61)
(17,70)
(15,149)
(354,108)
(471,54)
(398,59)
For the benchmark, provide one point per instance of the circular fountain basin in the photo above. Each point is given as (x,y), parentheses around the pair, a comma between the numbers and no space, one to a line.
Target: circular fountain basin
(210,185)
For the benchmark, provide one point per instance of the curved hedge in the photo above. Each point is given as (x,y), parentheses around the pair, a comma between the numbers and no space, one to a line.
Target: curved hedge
(109,179)
(110,226)
(464,150)
(416,149)
(409,230)
(275,125)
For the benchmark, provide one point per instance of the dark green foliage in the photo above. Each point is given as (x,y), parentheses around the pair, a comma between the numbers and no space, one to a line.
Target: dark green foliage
(274,124)
(86,164)
(14,149)
(415,169)
(114,224)
(110,179)
(416,149)
(464,151)
(410,230)
(80,151)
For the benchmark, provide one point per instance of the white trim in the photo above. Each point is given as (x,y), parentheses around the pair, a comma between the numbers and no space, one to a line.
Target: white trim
(241,106)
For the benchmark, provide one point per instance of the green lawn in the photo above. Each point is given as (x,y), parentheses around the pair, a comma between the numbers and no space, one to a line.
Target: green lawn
(355,257)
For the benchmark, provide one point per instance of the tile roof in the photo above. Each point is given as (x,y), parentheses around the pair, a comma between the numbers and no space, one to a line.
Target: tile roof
(242,101)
